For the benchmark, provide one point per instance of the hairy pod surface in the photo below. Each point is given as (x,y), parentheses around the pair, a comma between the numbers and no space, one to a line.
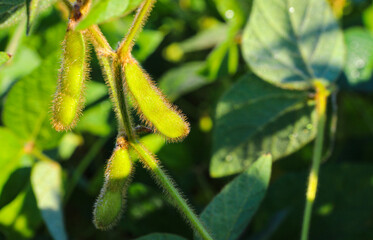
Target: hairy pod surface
(152,105)
(110,203)
(68,100)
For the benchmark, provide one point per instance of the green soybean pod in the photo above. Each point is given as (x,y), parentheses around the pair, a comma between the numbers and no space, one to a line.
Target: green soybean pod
(68,100)
(152,106)
(110,203)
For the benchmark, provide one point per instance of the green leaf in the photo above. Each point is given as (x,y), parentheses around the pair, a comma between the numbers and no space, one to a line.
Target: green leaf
(20,218)
(27,107)
(368,17)
(234,10)
(11,151)
(24,61)
(8,8)
(255,117)
(147,43)
(35,7)
(16,182)
(95,118)
(182,80)
(342,210)
(359,66)
(4,57)
(290,43)
(206,39)
(102,11)
(232,209)
(161,236)
(46,180)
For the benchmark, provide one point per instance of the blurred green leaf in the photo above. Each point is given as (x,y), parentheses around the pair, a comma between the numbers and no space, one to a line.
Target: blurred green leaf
(20,218)
(24,61)
(147,43)
(215,60)
(368,17)
(153,142)
(27,107)
(255,117)
(46,180)
(206,39)
(101,11)
(182,80)
(161,236)
(232,209)
(34,9)
(290,43)
(8,8)
(95,118)
(359,65)
(234,10)
(343,207)
(69,142)
(4,57)
(16,182)
(11,151)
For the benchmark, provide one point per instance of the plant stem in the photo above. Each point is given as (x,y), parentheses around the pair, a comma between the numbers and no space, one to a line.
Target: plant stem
(114,78)
(139,21)
(321,100)
(112,71)
(161,177)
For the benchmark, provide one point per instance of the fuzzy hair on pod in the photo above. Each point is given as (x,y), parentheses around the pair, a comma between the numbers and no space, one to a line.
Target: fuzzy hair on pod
(110,203)
(155,110)
(69,97)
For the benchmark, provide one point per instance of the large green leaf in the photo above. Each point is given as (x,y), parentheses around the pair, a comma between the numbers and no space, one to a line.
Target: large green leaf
(343,207)
(27,107)
(8,8)
(359,65)
(182,80)
(161,236)
(255,117)
(46,180)
(232,209)
(292,42)
(101,11)
(20,218)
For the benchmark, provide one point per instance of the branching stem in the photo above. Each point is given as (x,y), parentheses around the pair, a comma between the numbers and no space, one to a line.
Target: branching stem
(139,21)
(111,66)
(161,177)
(321,101)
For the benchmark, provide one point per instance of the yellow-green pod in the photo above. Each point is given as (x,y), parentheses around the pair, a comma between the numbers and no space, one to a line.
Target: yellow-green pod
(109,205)
(68,100)
(152,105)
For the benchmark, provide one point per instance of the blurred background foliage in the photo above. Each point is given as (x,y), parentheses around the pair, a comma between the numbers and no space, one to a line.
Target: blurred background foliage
(192,50)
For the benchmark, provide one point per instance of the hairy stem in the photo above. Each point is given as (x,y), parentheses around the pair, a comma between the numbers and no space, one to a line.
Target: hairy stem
(321,100)
(161,177)
(111,69)
(114,78)
(139,21)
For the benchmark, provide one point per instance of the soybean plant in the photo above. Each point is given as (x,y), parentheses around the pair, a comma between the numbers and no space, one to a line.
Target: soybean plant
(124,77)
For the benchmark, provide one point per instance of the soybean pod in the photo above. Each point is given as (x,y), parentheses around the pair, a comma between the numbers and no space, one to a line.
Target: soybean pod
(68,100)
(110,203)
(153,107)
